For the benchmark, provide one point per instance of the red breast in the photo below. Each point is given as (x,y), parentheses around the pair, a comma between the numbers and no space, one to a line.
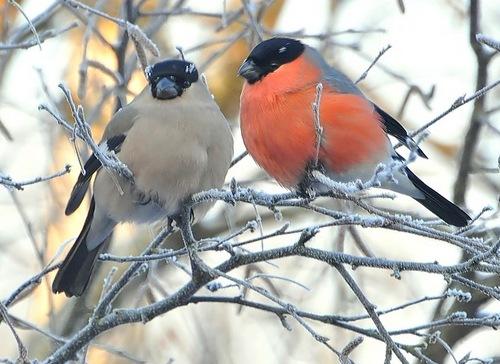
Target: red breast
(277,124)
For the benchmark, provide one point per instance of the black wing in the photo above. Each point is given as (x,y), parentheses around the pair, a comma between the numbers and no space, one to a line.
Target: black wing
(394,128)
(91,166)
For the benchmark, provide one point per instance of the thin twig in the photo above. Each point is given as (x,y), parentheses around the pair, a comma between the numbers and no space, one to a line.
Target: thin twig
(380,54)
(19,185)
(316,107)
(23,352)
(31,25)
(370,308)
(38,41)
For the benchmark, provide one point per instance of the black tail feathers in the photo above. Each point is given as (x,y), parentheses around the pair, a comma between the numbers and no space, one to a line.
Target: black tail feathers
(74,275)
(437,204)
(77,194)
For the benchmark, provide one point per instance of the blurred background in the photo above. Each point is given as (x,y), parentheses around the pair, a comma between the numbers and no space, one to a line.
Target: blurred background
(431,64)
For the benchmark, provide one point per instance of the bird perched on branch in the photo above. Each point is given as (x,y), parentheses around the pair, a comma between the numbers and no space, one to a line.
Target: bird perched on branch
(278,125)
(174,139)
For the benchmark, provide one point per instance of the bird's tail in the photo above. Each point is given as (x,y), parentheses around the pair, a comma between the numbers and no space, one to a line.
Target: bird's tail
(74,275)
(437,204)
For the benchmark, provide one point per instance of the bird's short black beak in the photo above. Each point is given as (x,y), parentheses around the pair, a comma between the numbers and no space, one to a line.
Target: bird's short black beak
(250,71)
(166,89)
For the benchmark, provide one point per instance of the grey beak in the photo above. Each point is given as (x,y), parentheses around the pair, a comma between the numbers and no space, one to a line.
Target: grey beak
(250,71)
(167,89)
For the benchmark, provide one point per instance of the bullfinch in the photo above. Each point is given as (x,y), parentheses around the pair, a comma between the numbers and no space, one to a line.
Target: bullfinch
(278,126)
(176,142)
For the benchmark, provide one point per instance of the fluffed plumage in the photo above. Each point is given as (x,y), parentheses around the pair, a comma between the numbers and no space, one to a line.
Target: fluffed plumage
(277,124)
(174,139)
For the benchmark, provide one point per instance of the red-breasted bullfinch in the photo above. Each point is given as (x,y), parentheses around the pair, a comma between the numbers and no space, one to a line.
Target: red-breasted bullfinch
(278,127)
(174,139)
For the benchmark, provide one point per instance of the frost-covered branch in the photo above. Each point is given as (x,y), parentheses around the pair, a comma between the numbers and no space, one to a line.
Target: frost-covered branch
(19,185)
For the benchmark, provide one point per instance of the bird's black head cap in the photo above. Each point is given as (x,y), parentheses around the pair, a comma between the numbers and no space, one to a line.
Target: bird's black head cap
(168,79)
(268,56)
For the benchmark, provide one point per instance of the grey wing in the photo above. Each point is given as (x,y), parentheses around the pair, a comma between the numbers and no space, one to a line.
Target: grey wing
(121,122)
(114,136)
(335,78)
(341,83)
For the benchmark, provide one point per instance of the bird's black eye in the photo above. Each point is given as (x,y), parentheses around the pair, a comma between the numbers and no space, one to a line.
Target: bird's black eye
(274,66)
